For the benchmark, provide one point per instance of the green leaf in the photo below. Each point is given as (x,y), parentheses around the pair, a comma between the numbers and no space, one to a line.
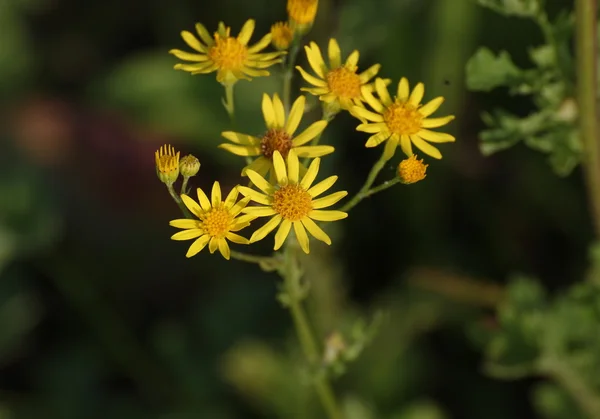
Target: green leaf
(521,8)
(485,71)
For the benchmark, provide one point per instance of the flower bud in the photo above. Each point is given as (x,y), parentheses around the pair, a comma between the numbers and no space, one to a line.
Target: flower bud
(167,164)
(281,35)
(189,166)
(411,170)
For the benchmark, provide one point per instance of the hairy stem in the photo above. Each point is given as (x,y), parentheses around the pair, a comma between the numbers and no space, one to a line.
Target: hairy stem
(586,53)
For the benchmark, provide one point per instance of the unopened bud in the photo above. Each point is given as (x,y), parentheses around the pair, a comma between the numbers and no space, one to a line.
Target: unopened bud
(189,166)
(411,170)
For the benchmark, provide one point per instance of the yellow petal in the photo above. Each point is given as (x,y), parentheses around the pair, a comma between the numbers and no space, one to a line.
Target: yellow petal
(260,211)
(406,145)
(293,170)
(375,140)
(191,205)
(213,244)
(224,248)
(203,200)
(231,197)
(369,73)
(372,128)
(280,169)
(322,186)
(255,195)
(260,45)
(425,147)
(295,115)
(260,182)
(187,234)
(335,55)
(309,133)
(403,90)
(311,174)
(261,166)
(216,194)
(436,137)
(241,150)
(187,56)
(282,233)
(327,215)
(368,115)
(241,139)
(431,106)
(266,229)
(417,95)
(301,236)
(279,111)
(315,59)
(204,34)
(268,111)
(192,41)
(197,246)
(372,100)
(390,147)
(382,92)
(235,238)
(328,200)
(184,223)
(352,60)
(315,230)
(245,34)
(436,122)
(311,79)
(314,150)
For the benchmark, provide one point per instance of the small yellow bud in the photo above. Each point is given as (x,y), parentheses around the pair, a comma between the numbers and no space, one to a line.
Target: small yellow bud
(167,164)
(281,35)
(411,170)
(302,14)
(189,166)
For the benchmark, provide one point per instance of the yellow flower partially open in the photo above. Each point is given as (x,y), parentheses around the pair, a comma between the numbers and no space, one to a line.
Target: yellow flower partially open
(230,57)
(337,84)
(217,221)
(402,120)
(292,201)
(278,138)
(167,164)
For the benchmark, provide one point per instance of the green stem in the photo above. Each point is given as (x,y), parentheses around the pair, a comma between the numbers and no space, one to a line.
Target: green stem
(288,74)
(184,186)
(292,274)
(363,192)
(385,185)
(228,103)
(178,201)
(586,53)
(571,382)
(267,263)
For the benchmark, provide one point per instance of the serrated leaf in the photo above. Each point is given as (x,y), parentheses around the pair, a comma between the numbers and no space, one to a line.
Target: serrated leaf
(486,71)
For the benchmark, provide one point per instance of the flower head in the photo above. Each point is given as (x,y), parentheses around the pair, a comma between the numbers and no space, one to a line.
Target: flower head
(167,164)
(279,136)
(290,201)
(281,35)
(217,221)
(230,57)
(189,166)
(411,170)
(302,13)
(338,85)
(402,120)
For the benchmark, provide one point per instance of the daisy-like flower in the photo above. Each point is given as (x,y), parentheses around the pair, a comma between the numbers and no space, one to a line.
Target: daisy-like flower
(292,201)
(411,170)
(302,13)
(281,35)
(167,164)
(402,120)
(337,85)
(278,138)
(217,221)
(230,57)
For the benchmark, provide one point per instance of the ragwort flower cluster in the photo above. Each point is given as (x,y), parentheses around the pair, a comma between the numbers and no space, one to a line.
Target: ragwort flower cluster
(282,162)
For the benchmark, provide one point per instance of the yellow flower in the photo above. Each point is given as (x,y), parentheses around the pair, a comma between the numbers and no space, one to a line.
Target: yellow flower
(411,170)
(302,13)
(291,201)
(402,120)
(217,221)
(167,164)
(338,84)
(281,35)
(231,57)
(278,138)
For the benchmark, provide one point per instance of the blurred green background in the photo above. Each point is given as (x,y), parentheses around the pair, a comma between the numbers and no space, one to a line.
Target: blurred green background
(101,314)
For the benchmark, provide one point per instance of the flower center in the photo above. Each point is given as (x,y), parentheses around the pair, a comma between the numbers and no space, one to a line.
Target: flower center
(276,139)
(216,222)
(302,11)
(344,82)
(411,170)
(403,119)
(228,53)
(292,202)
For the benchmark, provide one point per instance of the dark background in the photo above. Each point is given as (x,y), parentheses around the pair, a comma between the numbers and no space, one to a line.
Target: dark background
(102,316)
